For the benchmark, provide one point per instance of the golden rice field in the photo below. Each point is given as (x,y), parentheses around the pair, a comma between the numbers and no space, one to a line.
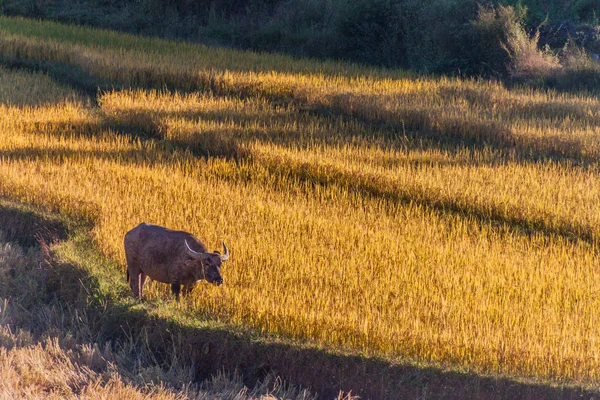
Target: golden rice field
(438,221)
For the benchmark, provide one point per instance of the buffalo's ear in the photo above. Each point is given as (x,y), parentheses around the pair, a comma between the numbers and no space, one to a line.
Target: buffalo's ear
(217,252)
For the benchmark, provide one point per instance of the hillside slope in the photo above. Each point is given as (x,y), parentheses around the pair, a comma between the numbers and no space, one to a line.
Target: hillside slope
(392,235)
(440,36)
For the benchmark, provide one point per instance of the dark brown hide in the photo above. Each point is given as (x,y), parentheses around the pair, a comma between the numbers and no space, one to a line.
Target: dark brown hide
(161,254)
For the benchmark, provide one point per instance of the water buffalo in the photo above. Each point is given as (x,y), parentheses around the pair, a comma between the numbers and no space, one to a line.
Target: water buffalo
(169,256)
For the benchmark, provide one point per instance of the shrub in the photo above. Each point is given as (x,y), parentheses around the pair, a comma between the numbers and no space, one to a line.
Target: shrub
(580,70)
(503,28)
(488,33)
(527,61)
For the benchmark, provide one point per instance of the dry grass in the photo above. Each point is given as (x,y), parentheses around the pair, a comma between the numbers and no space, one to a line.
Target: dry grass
(441,221)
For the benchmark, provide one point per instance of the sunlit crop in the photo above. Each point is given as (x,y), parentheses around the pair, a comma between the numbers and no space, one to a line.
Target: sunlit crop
(441,221)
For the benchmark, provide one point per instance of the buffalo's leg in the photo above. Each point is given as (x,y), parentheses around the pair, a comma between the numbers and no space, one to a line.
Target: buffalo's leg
(142,280)
(134,283)
(133,275)
(175,288)
(187,288)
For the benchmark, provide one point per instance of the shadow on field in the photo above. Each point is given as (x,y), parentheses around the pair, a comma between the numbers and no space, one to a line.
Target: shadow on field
(422,125)
(230,143)
(64,74)
(27,227)
(216,143)
(210,349)
(452,134)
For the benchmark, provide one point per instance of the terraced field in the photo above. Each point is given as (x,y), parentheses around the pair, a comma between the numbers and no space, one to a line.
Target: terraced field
(424,221)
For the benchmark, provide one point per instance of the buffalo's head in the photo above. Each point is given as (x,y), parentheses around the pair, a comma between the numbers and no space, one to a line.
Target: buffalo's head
(210,268)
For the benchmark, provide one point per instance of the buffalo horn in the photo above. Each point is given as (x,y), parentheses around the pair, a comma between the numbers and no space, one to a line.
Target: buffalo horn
(195,254)
(225,256)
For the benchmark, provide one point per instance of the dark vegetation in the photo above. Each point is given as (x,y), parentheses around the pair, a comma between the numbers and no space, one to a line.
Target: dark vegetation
(552,43)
